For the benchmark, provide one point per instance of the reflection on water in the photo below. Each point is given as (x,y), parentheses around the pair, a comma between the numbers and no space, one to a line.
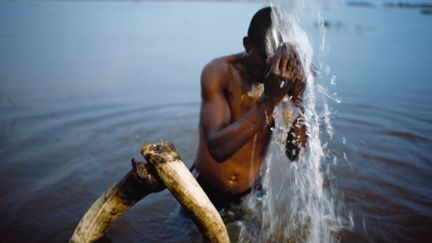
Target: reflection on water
(90,82)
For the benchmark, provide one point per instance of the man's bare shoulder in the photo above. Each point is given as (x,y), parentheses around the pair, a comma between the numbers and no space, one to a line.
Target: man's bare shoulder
(218,70)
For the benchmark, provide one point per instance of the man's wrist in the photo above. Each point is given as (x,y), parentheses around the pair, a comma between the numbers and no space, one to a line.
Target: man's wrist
(267,105)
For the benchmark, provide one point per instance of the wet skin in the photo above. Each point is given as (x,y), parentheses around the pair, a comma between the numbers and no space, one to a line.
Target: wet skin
(235,117)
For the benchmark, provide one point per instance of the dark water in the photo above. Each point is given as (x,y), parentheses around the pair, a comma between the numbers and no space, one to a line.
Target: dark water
(85,84)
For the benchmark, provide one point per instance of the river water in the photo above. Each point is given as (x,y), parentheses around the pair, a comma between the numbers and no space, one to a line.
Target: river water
(84,85)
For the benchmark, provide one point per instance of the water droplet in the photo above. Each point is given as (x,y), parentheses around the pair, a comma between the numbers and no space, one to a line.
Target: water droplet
(333,80)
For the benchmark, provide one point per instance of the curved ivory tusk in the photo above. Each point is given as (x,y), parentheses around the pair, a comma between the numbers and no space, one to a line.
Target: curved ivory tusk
(166,168)
(178,179)
(135,185)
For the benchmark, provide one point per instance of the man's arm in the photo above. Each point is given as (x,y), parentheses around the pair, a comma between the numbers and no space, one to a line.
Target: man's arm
(297,136)
(224,138)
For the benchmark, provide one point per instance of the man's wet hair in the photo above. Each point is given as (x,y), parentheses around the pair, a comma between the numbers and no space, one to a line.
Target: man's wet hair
(261,22)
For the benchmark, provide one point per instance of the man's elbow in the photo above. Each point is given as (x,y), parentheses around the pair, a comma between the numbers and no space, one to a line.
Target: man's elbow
(215,147)
(293,148)
(292,154)
(217,154)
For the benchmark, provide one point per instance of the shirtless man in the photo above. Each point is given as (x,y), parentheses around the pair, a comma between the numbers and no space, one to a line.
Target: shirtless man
(236,114)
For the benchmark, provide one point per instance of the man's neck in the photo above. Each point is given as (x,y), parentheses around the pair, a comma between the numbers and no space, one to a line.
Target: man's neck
(245,67)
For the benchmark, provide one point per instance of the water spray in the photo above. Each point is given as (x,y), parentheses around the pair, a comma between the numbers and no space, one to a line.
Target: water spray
(295,205)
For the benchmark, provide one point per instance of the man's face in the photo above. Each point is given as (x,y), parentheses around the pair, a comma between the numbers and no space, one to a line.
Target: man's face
(259,56)
(262,50)
(273,39)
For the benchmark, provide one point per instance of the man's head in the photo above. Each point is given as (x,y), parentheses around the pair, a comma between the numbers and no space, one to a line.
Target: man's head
(259,26)
(255,41)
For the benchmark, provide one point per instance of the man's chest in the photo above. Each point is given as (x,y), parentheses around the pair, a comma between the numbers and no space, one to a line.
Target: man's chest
(241,98)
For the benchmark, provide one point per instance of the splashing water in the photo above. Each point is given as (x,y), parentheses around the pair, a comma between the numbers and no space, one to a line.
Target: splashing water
(296,205)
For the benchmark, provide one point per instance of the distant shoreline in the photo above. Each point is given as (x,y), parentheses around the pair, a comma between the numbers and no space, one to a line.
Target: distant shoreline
(418,5)
(424,7)
(395,4)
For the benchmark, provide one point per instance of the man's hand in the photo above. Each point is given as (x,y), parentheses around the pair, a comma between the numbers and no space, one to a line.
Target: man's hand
(285,75)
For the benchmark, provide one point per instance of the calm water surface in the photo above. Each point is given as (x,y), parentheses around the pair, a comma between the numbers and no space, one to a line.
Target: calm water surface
(85,84)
